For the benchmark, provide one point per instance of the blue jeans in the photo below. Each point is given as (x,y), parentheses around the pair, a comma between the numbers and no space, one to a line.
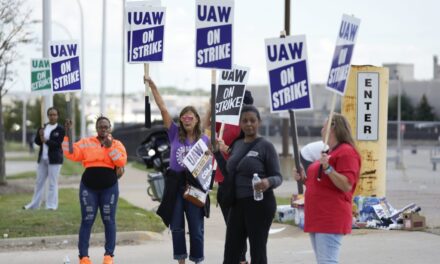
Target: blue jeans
(195,219)
(326,247)
(90,200)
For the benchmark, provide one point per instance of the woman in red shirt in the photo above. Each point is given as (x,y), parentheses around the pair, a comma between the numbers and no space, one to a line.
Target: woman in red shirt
(330,184)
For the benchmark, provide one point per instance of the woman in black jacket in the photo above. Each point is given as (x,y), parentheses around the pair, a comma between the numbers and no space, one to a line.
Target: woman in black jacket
(249,217)
(50,159)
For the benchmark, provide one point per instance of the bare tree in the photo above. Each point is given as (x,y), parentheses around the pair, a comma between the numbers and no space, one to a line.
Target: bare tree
(14,31)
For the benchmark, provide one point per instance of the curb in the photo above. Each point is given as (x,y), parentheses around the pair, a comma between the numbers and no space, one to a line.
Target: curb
(71,241)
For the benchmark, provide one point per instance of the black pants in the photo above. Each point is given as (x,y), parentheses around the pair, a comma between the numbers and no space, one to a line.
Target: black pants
(225,212)
(252,219)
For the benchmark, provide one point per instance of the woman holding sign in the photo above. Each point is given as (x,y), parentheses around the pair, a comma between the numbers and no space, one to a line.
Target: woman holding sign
(103,157)
(173,206)
(252,212)
(331,182)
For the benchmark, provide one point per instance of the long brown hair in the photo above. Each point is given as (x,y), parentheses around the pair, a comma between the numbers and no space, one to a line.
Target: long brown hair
(197,128)
(342,130)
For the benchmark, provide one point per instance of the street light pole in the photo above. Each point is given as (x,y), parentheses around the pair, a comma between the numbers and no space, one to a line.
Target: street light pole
(123,64)
(47,36)
(102,97)
(82,98)
(399,125)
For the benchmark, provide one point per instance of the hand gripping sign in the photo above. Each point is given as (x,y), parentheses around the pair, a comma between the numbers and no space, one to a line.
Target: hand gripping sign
(144,25)
(286,60)
(214,20)
(199,162)
(229,99)
(337,79)
(65,66)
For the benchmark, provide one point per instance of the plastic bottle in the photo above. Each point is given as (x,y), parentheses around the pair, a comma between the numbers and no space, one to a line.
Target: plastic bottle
(258,195)
(66,260)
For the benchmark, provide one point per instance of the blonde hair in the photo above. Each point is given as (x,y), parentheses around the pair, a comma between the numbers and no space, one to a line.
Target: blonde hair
(342,130)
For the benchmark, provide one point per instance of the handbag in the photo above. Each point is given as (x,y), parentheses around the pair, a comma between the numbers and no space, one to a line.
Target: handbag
(226,193)
(195,195)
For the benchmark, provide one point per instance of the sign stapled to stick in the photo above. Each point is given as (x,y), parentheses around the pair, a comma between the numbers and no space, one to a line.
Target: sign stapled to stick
(286,60)
(214,24)
(230,93)
(65,66)
(144,26)
(199,162)
(340,68)
(41,81)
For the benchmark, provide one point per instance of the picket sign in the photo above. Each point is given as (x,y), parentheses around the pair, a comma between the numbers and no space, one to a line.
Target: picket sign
(145,26)
(340,68)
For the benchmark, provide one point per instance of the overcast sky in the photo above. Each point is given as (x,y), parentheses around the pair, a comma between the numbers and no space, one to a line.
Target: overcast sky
(400,31)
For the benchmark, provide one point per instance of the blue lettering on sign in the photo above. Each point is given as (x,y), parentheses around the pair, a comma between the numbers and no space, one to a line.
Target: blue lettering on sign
(213,13)
(147,44)
(347,31)
(63,50)
(293,51)
(218,55)
(293,93)
(145,18)
(70,80)
(340,67)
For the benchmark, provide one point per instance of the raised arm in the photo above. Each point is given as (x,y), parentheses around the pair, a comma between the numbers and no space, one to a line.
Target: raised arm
(167,120)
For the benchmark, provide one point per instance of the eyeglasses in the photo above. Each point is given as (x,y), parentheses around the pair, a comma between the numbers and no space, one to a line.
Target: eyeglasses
(103,127)
(186,118)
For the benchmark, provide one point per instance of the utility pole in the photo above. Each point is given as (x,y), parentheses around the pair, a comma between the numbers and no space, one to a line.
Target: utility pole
(285,121)
(102,97)
(83,84)
(47,36)
(123,64)
(399,164)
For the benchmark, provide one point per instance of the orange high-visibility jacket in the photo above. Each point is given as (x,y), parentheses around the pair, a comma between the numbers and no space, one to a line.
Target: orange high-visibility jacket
(90,152)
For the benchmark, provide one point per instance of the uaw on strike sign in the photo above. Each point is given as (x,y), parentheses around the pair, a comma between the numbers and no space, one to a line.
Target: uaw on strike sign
(40,76)
(337,79)
(144,27)
(64,58)
(199,162)
(214,21)
(230,93)
(286,60)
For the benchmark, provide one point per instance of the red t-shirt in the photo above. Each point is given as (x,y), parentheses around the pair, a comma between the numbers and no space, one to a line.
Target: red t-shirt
(327,209)
(230,132)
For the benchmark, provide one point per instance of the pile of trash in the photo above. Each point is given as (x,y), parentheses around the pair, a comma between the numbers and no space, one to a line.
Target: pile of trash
(374,212)
(368,212)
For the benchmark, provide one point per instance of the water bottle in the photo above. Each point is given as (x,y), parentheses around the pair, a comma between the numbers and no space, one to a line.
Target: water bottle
(66,260)
(258,196)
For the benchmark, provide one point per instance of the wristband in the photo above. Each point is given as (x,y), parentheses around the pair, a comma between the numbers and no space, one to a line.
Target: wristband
(328,170)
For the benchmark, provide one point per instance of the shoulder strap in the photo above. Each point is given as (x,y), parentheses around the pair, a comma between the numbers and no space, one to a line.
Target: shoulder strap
(250,147)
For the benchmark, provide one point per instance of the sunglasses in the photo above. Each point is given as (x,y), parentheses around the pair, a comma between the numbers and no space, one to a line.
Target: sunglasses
(186,118)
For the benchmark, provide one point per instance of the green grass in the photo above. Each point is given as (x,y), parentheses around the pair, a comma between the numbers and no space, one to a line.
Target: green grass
(139,165)
(15,146)
(25,157)
(71,168)
(22,175)
(66,220)
(282,200)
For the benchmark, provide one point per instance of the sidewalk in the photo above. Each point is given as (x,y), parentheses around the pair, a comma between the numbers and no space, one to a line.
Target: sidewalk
(418,183)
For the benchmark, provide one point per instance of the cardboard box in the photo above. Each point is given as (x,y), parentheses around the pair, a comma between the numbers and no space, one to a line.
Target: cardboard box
(413,222)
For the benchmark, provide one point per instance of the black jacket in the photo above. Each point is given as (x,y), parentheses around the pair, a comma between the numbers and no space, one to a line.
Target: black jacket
(55,152)
(173,181)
